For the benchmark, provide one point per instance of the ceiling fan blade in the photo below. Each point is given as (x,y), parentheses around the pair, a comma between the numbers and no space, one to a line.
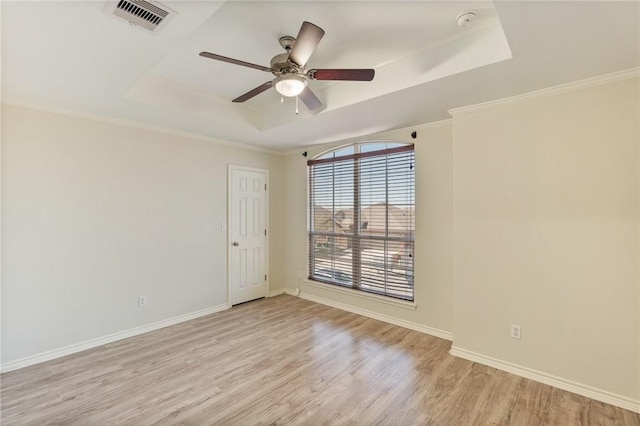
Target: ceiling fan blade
(251,93)
(233,61)
(310,99)
(342,74)
(306,42)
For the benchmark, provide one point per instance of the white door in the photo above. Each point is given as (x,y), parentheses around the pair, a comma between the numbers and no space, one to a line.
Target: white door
(248,234)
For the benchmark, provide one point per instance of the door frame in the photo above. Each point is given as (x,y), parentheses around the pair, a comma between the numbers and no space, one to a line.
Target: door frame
(231,168)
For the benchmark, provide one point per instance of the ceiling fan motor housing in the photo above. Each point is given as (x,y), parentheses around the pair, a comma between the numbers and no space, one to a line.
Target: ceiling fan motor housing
(280,64)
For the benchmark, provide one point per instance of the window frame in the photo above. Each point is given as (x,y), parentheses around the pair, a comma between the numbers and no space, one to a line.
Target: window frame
(357,237)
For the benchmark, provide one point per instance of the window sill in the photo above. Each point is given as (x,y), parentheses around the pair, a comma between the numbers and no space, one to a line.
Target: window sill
(363,295)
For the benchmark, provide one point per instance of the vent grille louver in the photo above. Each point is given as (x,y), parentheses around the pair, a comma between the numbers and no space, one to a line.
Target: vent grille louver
(143,10)
(145,14)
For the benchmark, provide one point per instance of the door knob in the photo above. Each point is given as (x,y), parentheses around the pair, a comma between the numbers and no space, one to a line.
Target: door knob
(236,244)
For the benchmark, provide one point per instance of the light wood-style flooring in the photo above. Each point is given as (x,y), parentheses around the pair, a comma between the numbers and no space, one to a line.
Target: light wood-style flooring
(285,360)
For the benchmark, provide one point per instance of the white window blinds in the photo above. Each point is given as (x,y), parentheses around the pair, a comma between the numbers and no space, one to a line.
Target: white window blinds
(362,219)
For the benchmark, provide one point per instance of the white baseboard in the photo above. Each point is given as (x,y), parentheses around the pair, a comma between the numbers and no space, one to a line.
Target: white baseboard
(92,343)
(551,380)
(386,318)
(280,291)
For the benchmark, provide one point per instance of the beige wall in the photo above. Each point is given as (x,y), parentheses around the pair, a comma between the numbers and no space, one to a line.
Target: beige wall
(546,199)
(434,232)
(531,217)
(96,214)
(546,234)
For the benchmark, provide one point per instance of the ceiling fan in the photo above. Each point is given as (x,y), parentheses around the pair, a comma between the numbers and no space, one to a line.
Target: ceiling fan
(291,76)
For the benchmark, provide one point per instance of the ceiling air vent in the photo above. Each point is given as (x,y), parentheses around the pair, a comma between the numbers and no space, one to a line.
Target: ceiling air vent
(151,16)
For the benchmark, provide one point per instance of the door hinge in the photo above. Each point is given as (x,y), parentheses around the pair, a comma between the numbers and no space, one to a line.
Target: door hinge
(265,277)
(265,186)
(265,232)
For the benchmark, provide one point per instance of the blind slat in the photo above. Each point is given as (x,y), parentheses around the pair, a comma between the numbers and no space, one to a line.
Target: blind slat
(378,255)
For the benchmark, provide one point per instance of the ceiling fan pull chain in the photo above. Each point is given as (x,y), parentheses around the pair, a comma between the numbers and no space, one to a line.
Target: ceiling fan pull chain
(297,104)
(281,99)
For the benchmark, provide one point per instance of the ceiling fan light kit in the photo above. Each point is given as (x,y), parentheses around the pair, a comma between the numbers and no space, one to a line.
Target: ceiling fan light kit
(290,85)
(291,77)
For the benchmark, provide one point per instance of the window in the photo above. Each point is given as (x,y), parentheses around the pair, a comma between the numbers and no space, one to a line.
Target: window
(362,218)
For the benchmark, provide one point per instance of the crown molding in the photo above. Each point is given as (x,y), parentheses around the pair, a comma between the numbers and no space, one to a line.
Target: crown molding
(550,91)
(135,124)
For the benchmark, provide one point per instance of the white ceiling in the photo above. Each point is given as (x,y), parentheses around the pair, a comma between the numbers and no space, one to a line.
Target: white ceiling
(71,56)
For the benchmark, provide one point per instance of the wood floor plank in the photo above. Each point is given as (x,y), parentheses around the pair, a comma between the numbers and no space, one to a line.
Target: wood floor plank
(285,360)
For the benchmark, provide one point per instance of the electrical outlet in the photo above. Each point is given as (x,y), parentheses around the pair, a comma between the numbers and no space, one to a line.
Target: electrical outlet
(223,226)
(515,331)
(142,301)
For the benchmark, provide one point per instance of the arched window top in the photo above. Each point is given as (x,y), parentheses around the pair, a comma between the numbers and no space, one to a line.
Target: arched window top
(362,217)
(359,148)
